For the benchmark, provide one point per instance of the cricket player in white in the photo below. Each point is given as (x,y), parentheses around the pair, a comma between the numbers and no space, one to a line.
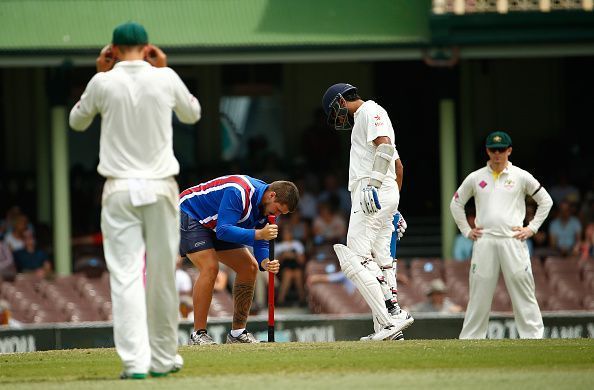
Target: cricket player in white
(499,191)
(366,258)
(135,93)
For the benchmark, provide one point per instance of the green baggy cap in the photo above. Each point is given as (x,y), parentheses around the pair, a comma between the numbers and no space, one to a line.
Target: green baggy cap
(498,140)
(129,34)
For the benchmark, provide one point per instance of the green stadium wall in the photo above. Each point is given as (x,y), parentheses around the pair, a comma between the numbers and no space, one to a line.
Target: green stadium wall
(302,328)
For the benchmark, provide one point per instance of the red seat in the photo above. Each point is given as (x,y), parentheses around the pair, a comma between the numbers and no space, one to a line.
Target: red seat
(221,305)
(558,303)
(557,265)
(314,267)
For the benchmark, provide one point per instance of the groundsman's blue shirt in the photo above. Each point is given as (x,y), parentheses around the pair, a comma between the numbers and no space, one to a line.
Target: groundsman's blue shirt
(229,205)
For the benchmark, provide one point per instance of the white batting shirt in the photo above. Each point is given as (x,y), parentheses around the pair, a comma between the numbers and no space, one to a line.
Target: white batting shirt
(500,200)
(371,121)
(135,101)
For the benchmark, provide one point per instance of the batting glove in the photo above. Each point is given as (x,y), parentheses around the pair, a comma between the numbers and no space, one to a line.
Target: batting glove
(369,201)
(401,226)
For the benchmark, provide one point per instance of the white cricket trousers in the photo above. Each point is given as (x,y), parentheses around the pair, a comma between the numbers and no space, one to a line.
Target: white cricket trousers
(145,320)
(489,255)
(373,233)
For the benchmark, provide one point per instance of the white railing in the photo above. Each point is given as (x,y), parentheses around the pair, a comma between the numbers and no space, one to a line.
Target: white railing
(461,7)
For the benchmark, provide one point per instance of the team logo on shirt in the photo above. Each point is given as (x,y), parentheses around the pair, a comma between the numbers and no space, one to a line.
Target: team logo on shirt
(483,184)
(509,184)
(378,122)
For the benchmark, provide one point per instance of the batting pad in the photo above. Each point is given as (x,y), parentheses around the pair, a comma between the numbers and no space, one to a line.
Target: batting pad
(366,282)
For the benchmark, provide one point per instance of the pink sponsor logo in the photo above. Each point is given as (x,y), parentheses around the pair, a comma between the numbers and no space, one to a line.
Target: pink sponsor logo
(483,184)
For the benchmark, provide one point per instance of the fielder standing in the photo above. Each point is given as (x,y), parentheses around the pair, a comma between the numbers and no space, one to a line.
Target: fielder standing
(135,93)
(366,258)
(499,191)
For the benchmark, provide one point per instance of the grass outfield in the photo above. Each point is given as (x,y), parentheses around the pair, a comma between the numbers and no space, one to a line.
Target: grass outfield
(414,364)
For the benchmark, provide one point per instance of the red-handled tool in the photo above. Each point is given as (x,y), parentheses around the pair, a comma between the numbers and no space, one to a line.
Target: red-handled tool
(272,221)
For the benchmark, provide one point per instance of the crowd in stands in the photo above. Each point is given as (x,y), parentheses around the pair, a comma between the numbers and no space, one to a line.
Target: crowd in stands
(310,276)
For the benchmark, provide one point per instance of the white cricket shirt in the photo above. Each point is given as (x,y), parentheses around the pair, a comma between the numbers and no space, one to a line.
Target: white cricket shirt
(500,200)
(371,121)
(136,101)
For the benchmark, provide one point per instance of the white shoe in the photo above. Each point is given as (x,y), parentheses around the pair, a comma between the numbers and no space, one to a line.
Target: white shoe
(402,320)
(200,339)
(398,337)
(244,338)
(178,363)
(386,333)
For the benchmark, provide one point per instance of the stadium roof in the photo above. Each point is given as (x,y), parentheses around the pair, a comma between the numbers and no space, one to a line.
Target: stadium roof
(208,26)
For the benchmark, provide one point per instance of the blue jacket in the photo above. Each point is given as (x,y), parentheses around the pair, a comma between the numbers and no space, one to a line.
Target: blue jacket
(229,205)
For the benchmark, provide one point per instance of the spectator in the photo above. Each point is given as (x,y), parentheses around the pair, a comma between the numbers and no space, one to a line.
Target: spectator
(587,247)
(15,239)
(564,191)
(183,281)
(222,279)
(300,228)
(328,226)
(6,320)
(565,231)
(462,244)
(186,307)
(587,208)
(7,224)
(437,301)
(32,259)
(335,194)
(332,275)
(7,267)
(291,254)
(308,204)
(315,140)
(272,169)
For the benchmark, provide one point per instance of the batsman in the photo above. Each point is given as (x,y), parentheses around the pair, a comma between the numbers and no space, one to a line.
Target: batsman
(366,259)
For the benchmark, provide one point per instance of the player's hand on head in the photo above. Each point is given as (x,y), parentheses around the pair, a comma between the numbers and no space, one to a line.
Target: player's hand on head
(522,233)
(155,56)
(106,59)
(268,232)
(369,200)
(271,266)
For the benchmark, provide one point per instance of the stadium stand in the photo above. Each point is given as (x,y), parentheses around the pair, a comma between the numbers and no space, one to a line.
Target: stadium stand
(561,284)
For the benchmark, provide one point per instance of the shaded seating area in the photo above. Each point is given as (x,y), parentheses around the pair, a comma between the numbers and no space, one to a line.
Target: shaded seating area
(562,284)
(73,298)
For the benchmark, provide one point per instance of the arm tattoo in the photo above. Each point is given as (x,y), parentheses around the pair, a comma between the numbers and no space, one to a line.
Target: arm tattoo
(243,294)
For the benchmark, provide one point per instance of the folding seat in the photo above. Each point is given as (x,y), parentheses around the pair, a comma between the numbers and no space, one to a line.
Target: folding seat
(323,252)
(537,266)
(222,304)
(48,316)
(588,281)
(22,316)
(557,265)
(587,265)
(588,302)
(566,279)
(556,303)
(84,315)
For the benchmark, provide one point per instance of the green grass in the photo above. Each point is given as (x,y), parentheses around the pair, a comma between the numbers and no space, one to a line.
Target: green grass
(443,364)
